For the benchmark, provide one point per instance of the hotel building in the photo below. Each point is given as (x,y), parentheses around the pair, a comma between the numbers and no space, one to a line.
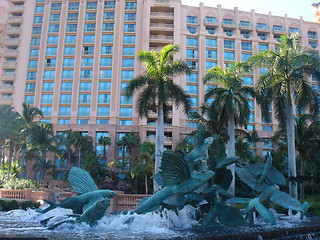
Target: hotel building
(73,58)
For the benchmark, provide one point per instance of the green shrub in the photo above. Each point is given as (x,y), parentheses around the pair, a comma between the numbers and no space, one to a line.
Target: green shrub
(29,204)
(19,184)
(13,204)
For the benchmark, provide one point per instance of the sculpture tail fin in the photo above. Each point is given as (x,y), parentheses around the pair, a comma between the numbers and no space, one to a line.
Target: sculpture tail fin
(52,206)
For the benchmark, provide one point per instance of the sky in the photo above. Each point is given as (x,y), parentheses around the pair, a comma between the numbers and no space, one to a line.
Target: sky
(293,8)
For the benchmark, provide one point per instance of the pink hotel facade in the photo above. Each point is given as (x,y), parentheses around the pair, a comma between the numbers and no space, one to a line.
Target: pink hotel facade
(72,58)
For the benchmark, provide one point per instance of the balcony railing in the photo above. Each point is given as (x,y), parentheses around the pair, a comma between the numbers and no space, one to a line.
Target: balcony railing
(6,88)
(6,100)
(161,14)
(12,41)
(164,38)
(157,25)
(16,8)
(15,19)
(13,30)
(9,64)
(8,76)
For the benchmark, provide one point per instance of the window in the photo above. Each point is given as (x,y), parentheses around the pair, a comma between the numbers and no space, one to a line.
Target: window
(104,86)
(87,62)
(229,56)
(192,42)
(106,50)
(89,27)
(55,17)
(88,38)
(262,71)
(33,64)
(102,121)
(125,112)
(245,34)
(191,53)
(263,36)
(108,16)
(37,19)
(63,121)
(211,42)
(69,50)
(84,98)
(67,74)
(229,44)
(210,65)
(65,98)
(128,51)
(46,111)
(91,5)
(103,111)
(35,41)
(71,39)
(85,86)
(64,111)
(68,62)
(125,122)
(192,89)
(245,56)
(39,9)
(129,28)
(107,38)
(194,101)
(210,20)
(192,30)
(34,53)
(91,16)
(131,5)
(129,16)
(72,17)
(129,39)
(278,28)
(248,81)
(47,86)
(83,111)
(251,117)
(246,46)
(104,98)
(245,24)
(30,87)
(313,44)
(66,86)
(52,40)
(52,51)
(293,30)
(56,6)
(262,47)
(109,4)
(267,143)
(128,62)
(36,30)
(267,128)
(105,73)
(106,62)
(193,77)
(312,35)
(29,99)
(125,100)
(71,28)
(228,21)
(100,134)
(211,54)
(86,73)
(48,74)
(123,86)
(228,32)
(251,105)
(193,65)
(262,26)
(88,50)
(127,74)
(83,121)
(192,19)
(108,27)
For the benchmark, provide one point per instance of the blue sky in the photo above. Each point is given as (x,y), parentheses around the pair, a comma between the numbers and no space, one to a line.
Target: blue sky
(293,8)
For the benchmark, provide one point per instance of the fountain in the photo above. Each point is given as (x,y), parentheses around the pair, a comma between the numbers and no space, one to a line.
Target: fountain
(193,202)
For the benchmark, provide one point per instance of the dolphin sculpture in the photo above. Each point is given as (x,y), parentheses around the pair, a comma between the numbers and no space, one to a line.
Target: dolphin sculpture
(179,184)
(83,184)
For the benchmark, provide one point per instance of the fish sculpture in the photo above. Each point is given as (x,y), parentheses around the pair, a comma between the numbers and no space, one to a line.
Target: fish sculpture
(83,184)
(178,184)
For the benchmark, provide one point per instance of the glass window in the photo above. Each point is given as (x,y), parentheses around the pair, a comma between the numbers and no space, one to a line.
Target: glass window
(89,27)
(262,47)
(34,53)
(125,112)
(211,54)
(129,39)
(51,51)
(68,62)
(63,121)
(193,77)
(262,25)
(109,4)
(104,98)
(47,86)
(84,98)
(251,117)
(192,30)
(193,65)
(107,38)
(33,64)
(251,105)
(65,98)
(108,27)
(35,41)
(31,75)
(192,89)
(67,74)
(86,73)
(71,27)
(312,35)
(263,36)
(37,19)
(191,53)
(91,5)
(91,16)
(66,86)
(85,86)
(125,100)
(29,99)
(100,134)
(228,32)
(245,34)
(246,46)
(248,81)
(245,56)
(106,50)
(36,30)
(69,50)
(210,20)
(88,50)
(105,73)
(108,16)
(192,42)
(123,86)
(210,65)
(72,17)
(106,62)
(128,62)
(229,44)
(128,51)
(56,6)
(87,62)
(30,87)
(104,86)
(55,17)
(39,9)
(48,74)
(192,19)
(103,111)
(129,27)
(125,122)
(211,42)
(131,5)
(83,121)
(267,128)
(88,38)
(129,16)
(52,40)
(211,30)
(46,111)
(71,39)
(127,74)
(194,101)
(83,111)
(229,56)
(64,111)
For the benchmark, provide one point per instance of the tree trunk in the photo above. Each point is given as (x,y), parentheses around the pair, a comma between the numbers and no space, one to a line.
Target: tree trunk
(146,183)
(293,189)
(302,184)
(159,145)
(231,152)
(10,159)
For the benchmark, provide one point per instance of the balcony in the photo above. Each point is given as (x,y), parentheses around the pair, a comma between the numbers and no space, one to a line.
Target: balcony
(16,8)
(211,22)
(262,28)
(163,27)
(8,76)
(13,30)
(17,1)
(9,64)
(10,53)
(162,39)
(6,89)
(279,29)
(228,24)
(6,100)
(12,41)
(161,15)
(15,19)
(245,26)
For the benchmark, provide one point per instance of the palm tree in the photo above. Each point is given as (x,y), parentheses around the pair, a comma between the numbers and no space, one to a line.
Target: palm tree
(230,101)
(286,83)
(146,162)
(156,89)
(105,141)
